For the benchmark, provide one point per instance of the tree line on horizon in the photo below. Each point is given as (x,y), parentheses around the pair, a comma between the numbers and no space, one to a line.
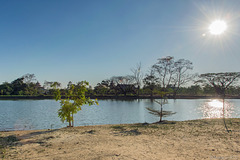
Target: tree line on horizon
(167,74)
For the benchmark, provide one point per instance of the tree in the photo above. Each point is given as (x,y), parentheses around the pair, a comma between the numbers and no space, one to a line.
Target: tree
(106,86)
(38,88)
(221,82)
(29,78)
(18,86)
(101,89)
(173,74)
(6,88)
(74,100)
(51,86)
(30,85)
(164,69)
(137,76)
(123,84)
(194,90)
(150,81)
(208,89)
(161,113)
(233,90)
(181,75)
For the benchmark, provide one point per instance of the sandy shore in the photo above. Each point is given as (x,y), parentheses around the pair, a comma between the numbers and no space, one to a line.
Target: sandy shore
(199,139)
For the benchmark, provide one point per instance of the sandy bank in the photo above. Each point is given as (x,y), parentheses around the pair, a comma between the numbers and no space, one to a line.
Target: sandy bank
(199,139)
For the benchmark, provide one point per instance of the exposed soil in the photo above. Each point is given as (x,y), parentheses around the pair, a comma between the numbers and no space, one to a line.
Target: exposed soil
(198,139)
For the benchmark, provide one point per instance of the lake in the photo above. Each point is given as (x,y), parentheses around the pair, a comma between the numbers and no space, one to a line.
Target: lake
(42,114)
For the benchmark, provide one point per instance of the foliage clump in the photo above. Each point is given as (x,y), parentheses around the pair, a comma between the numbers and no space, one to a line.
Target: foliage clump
(72,101)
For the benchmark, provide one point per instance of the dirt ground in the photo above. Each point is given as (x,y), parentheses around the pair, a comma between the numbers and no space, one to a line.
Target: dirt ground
(198,139)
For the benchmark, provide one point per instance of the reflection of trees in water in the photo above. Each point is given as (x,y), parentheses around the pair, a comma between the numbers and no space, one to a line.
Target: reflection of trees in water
(124,99)
(213,109)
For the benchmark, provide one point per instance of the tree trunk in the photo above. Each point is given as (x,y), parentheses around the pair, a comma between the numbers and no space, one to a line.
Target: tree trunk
(138,90)
(69,120)
(161,114)
(72,119)
(174,94)
(224,115)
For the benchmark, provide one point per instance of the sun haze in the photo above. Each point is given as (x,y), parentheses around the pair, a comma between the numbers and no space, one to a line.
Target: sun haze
(217,27)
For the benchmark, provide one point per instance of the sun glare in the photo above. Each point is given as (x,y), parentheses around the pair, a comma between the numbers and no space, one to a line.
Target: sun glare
(217,27)
(214,109)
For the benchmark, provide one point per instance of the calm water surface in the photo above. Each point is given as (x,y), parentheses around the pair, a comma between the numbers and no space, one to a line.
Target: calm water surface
(42,114)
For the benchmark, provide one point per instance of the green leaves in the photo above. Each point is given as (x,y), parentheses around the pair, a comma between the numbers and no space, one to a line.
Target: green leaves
(57,95)
(74,100)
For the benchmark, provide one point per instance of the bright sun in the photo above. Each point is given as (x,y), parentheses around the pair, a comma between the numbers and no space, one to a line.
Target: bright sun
(217,27)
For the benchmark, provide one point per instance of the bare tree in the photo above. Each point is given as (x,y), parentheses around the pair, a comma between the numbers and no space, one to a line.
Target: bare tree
(137,76)
(160,113)
(221,82)
(182,76)
(173,73)
(49,85)
(29,78)
(165,70)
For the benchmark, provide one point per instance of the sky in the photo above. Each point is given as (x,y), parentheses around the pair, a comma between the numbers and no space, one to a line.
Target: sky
(75,40)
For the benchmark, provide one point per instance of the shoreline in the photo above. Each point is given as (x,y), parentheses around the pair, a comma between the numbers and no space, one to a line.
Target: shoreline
(14,97)
(192,139)
(125,124)
(101,125)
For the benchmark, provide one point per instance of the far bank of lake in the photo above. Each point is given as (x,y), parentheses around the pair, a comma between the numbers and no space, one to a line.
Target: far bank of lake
(42,97)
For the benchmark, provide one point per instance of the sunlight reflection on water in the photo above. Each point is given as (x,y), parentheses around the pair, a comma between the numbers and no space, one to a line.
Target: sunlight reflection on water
(214,109)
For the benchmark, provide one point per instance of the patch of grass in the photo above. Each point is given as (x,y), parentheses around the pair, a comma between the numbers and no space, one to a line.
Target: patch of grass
(11,139)
(133,132)
(118,127)
(164,127)
(42,150)
(140,125)
(2,151)
(48,145)
(153,126)
(6,142)
(145,126)
(40,142)
(89,132)
(49,137)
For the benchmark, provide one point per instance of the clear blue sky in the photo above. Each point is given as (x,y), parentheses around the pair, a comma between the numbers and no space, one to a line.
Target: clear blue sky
(74,40)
